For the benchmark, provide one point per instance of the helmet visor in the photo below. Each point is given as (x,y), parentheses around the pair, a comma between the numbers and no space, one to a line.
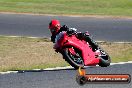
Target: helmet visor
(52,30)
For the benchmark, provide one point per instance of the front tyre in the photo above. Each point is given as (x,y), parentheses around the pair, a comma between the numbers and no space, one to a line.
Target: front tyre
(104,59)
(75,60)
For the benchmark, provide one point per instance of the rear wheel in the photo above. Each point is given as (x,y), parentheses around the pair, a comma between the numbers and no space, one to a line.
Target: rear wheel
(74,59)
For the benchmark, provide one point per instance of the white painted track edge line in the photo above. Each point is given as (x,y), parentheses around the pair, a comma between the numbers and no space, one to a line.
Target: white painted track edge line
(49,38)
(62,68)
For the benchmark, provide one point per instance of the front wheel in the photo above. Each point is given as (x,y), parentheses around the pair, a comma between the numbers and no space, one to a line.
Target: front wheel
(73,57)
(104,59)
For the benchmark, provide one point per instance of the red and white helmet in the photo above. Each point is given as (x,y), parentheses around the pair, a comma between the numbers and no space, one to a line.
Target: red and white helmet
(54,26)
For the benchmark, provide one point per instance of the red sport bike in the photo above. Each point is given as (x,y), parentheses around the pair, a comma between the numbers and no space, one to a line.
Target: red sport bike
(79,53)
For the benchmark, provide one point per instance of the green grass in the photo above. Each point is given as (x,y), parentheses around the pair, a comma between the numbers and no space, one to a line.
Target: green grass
(27,53)
(23,53)
(74,7)
(119,52)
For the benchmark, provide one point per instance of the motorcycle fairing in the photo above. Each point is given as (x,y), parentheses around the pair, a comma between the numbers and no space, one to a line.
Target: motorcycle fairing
(88,55)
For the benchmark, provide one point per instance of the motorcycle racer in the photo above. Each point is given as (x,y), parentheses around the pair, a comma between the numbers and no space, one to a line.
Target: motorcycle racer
(55,28)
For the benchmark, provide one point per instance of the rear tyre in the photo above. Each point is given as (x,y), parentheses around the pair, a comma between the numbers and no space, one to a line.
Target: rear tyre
(74,61)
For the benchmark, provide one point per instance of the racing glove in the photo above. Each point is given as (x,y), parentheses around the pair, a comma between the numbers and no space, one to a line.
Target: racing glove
(64,28)
(71,31)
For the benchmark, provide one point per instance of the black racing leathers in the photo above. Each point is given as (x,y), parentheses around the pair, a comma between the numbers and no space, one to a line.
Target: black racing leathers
(63,28)
(80,35)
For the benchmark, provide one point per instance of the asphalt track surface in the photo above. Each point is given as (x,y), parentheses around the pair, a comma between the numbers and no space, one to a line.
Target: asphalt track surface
(62,78)
(102,29)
